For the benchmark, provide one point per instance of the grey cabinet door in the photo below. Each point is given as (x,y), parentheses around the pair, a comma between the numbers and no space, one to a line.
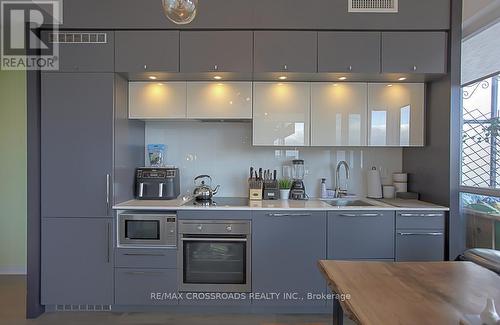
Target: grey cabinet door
(145,286)
(355,52)
(419,245)
(292,51)
(77,261)
(414,52)
(361,235)
(139,51)
(76,55)
(211,51)
(286,247)
(76,143)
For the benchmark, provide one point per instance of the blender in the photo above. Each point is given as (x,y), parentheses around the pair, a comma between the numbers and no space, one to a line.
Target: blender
(298,190)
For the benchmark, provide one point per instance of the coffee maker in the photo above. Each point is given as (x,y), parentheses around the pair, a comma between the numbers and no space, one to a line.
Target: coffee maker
(298,190)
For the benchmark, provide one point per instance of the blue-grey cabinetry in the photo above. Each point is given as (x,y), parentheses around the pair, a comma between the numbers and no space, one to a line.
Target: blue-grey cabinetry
(420,236)
(77,260)
(286,247)
(142,275)
(414,52)
(77,144)
(367,235)
(352,52)
(140,51)
(84,51)
(285,51)
(216,51)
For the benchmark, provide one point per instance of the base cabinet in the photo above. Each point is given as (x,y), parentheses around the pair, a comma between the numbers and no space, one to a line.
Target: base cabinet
(286,248)
(145,286)
(77,260)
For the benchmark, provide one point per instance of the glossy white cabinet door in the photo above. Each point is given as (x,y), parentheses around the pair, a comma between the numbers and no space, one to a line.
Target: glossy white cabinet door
(338,114)
(157,100)
(219,100)
(396,114)
(281,113)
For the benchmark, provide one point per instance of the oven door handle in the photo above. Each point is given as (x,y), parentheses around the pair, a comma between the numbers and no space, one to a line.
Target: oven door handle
(215,239)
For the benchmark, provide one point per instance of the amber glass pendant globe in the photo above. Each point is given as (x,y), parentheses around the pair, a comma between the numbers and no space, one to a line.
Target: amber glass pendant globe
(180,11)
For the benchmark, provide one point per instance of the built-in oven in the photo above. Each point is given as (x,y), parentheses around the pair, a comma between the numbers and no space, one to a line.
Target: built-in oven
(214,255)
(147,230)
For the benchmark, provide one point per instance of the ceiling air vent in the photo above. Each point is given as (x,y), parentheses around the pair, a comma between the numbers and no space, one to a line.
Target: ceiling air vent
(367,6)
(79,38)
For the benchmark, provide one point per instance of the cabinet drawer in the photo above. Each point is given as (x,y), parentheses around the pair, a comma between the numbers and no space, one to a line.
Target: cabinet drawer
(419,245)
(183,214)
(420,220)
(137,286)
(361,235)
(146,257)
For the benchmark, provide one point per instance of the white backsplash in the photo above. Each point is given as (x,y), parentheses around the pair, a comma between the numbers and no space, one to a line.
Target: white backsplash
(224,151)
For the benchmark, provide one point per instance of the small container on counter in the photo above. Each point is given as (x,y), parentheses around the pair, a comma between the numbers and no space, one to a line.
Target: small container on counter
(324,193)
(388,191)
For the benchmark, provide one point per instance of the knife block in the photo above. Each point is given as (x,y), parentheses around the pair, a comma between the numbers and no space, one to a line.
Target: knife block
(271,190)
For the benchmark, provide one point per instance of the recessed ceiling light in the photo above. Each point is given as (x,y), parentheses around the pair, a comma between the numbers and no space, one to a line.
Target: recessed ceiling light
(402,78)
(217,77)
(342,78)
(282,77)
(153,77)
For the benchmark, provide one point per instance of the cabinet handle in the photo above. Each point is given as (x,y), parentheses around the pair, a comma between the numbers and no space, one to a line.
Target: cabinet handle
(107,189)
(421,214)
(285,67)
(143,254)
(289,214)
(420,233)
(350,68)
(144,273)
(216,67)
(360,214)
(414,68)
(145,67)
(108,236)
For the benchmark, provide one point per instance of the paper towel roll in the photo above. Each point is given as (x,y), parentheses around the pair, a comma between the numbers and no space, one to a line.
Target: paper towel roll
(374,185)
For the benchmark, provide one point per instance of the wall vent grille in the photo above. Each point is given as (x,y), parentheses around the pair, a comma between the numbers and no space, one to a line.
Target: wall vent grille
(83,307)
(78,38)
(367,6)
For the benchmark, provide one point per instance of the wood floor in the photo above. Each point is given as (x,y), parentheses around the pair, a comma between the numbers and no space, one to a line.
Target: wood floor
(12,312)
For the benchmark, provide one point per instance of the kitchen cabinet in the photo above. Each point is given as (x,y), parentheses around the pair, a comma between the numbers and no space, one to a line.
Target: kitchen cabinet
(77,144)
(286,247)
(219,100)
(396,114)
(281,114)
(84,51)
(157,100)
(351,52)
(420,236)
(142,51)
(76,261)
(216,51)
(285,51)
(135,286)
(414,52)
(361,235)
(338,114)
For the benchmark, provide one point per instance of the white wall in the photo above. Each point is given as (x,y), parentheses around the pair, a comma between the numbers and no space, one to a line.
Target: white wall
(224,150)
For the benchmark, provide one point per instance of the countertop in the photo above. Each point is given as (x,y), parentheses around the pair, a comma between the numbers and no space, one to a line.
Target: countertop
(309,205)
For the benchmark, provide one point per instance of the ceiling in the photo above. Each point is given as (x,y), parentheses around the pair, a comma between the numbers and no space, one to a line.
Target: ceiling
(478,15)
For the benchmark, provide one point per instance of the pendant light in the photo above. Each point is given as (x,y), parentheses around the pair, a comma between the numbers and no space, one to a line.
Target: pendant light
(180,11)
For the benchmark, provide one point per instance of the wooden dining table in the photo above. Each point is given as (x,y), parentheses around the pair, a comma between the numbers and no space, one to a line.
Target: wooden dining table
(409,292)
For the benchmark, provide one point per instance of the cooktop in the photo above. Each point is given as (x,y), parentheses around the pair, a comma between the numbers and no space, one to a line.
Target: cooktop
(223,201)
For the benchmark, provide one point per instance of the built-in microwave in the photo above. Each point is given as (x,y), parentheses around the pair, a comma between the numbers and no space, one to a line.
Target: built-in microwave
(147,230)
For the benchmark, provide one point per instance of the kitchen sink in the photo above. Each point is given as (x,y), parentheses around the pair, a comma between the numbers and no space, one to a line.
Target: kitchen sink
(348,203)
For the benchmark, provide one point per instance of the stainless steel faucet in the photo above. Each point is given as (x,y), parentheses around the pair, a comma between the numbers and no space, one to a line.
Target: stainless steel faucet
(338,191)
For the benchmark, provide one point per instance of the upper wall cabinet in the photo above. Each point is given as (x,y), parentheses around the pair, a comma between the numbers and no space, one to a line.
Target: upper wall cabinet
(414,52)
(396,114)
(354,52)
(153,100)
(219,100)
(84,51)
(139,51)
(212,51)
(338,114)
(285,51)
(281,114)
